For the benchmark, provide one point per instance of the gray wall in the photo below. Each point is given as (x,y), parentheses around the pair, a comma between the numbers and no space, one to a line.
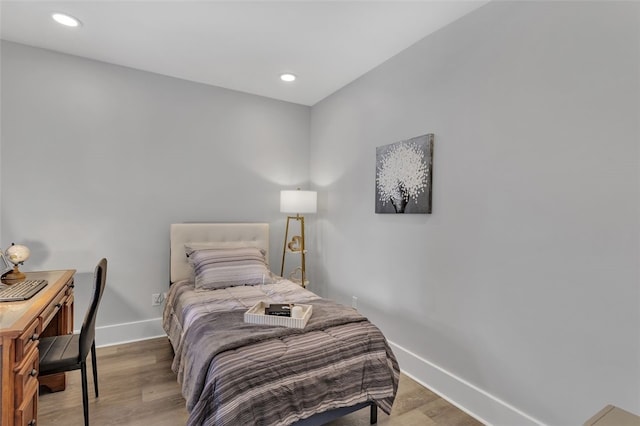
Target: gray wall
(523,285)
(97,160)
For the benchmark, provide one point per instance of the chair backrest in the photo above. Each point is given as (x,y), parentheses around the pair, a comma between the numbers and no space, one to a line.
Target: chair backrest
(88,330)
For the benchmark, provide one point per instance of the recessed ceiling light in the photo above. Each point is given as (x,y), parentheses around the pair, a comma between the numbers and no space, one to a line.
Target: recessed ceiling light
(67,20)
(287,77)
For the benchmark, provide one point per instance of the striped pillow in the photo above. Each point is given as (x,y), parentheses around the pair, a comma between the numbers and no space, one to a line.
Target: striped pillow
(220,268)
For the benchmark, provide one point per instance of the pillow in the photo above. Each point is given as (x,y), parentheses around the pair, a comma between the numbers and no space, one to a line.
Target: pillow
(220,268)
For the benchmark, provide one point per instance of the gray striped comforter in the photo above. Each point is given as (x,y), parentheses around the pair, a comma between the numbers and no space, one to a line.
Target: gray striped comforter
(234,373)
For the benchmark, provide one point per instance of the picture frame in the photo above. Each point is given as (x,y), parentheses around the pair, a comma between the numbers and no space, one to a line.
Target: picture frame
(404,173)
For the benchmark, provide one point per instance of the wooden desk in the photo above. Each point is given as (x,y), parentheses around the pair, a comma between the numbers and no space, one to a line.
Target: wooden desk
(48,313)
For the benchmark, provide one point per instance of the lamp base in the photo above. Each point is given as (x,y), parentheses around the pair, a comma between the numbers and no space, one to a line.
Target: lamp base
(296,245)
(13,276)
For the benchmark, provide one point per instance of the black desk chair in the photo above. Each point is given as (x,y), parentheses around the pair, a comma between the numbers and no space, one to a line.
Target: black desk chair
(69,352)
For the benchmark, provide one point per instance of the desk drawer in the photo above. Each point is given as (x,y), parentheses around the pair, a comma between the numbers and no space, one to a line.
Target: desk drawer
(28,339)
(52,308)
(26,372)
(70,285)
(27,412)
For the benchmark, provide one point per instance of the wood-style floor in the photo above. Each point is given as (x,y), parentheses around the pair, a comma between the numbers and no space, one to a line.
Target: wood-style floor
(137,387)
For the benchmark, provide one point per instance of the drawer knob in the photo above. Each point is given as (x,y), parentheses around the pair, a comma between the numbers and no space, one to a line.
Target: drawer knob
(34,337)
(58,305)
(72,285)
(33,373)
(32,422)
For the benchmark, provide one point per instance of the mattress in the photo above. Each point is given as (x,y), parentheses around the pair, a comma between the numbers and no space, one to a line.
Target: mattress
(235,373)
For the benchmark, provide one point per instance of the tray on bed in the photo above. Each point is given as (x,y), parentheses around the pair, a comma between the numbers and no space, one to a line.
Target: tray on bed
(256,315)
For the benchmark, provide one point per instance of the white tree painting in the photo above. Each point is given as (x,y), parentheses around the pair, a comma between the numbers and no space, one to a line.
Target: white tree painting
(403,176)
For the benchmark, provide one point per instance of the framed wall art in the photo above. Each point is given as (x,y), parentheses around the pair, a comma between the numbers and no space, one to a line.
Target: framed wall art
(403,176)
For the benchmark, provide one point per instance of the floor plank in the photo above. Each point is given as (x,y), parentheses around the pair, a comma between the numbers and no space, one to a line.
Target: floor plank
(138,388)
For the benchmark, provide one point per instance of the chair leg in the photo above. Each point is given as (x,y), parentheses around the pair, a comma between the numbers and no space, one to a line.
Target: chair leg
(94,363)
(85,392)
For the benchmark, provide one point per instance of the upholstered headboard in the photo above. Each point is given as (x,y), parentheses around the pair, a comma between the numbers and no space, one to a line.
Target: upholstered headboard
(256,234)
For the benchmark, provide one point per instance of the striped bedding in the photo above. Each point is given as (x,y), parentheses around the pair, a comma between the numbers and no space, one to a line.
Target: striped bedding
(234,373)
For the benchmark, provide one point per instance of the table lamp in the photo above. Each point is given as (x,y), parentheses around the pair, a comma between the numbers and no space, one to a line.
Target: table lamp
(16,254)
(297,202)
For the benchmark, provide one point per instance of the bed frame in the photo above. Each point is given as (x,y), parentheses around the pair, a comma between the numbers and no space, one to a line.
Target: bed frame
(230,235)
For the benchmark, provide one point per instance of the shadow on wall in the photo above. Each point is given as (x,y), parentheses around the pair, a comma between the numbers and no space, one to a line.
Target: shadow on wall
(475,385)
(111,303)
(427,332)
(82,296)
(39,254)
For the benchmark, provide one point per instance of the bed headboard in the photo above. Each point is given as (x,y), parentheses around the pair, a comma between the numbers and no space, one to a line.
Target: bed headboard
(224,233)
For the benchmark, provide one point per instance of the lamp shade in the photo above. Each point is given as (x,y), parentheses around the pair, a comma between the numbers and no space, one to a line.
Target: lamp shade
(298,201)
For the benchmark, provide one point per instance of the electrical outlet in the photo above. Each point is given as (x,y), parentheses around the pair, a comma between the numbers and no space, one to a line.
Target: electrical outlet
(156,299)
(354,302)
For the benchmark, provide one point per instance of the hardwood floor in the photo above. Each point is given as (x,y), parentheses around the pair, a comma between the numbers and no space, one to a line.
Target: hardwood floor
(137,387)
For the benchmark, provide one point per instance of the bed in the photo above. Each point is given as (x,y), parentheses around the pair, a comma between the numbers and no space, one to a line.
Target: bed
(236,373)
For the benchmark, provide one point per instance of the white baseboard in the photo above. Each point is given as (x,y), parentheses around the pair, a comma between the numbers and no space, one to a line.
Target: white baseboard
(478,403)
(128,332)
(469,398)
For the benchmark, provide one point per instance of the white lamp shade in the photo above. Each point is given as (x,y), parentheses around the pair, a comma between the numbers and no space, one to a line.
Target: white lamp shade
(298,201)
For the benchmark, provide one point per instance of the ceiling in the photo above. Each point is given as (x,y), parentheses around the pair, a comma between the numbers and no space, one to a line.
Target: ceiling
(239,45)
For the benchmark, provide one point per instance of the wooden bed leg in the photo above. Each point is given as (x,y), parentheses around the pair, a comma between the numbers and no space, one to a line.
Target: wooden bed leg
(373,419)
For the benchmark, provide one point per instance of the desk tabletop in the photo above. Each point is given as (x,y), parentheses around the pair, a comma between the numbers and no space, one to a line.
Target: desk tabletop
(15,316)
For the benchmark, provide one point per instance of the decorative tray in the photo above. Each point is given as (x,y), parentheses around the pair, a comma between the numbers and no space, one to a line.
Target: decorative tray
(256,315)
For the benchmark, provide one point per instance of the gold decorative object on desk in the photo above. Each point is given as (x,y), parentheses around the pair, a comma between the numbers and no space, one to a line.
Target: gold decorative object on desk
(297,202)
(17,254)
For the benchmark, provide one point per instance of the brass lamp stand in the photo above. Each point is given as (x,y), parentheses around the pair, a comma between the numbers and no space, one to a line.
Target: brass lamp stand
(296,245)
(297,202)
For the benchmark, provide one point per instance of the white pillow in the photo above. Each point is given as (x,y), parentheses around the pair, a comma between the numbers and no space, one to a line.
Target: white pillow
(228,267)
